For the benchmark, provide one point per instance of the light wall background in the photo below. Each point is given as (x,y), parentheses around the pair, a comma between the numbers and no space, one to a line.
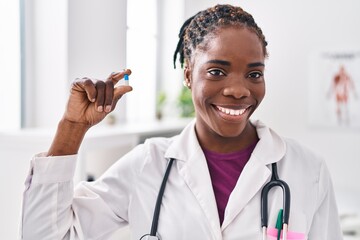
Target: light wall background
(294,30)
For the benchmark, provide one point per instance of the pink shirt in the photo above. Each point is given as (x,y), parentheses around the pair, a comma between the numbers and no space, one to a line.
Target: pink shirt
(225,169)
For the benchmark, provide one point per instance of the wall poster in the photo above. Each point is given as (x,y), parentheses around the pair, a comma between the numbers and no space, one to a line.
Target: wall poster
(334,89)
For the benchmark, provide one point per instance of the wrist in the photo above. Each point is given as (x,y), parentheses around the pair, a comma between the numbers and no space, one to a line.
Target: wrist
(68,138)
(72,128)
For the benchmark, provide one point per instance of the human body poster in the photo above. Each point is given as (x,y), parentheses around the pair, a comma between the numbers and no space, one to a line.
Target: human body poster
(334,88)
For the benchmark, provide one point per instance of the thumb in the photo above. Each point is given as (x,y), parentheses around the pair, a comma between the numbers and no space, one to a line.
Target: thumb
(119,92)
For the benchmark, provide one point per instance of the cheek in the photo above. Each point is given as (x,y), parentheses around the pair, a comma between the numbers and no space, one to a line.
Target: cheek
(263,90)
(259,92)
(200,93)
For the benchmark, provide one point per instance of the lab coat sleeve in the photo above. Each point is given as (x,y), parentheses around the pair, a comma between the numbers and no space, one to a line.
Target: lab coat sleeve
(326,222)
(47,198)
(53,210)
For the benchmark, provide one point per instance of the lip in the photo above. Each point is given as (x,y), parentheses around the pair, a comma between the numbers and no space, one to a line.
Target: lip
(232,113)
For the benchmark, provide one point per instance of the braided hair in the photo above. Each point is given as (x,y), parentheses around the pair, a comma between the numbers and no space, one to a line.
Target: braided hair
(195,29)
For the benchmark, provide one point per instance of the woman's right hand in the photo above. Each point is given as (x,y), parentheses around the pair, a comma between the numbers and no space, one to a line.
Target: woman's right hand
(91,100)
(89,103)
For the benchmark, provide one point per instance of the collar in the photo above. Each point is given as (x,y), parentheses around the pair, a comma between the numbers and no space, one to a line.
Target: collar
(270,148)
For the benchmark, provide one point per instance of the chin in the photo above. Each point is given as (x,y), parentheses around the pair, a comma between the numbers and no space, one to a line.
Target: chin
(230,132)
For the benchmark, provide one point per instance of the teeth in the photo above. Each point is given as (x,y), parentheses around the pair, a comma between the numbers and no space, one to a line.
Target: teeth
(232,112)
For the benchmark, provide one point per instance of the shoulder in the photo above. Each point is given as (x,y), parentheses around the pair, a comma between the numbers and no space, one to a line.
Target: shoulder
(308,165)
(300,158)
(299,150)
(155,149)
(143,157)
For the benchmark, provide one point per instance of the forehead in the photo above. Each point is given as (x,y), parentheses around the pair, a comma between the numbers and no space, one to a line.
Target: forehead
(228,42)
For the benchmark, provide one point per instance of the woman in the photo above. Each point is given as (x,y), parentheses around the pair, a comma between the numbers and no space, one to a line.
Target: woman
(222,160)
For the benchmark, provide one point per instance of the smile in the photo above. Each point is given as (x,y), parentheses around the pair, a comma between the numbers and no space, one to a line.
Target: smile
(232,112)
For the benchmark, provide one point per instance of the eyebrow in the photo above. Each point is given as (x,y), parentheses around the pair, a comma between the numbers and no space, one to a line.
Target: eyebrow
(256,64)
(227,63)
(221,62)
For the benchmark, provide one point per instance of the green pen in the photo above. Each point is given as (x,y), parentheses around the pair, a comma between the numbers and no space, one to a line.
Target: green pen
(279,223)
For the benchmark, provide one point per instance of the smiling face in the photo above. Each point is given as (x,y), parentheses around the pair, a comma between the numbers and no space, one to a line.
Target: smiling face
(226,75)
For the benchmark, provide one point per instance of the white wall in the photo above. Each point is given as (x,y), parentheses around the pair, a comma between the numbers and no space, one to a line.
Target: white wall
(97,41)
(170,79)
(141,59)
(10,64)
(46,52)
(294,30)
(65,40)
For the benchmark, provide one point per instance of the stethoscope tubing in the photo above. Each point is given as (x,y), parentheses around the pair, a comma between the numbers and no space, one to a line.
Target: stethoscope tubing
(275,182)
(154,225)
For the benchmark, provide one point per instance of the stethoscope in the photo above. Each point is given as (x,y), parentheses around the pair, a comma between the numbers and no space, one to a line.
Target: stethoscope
(274,181)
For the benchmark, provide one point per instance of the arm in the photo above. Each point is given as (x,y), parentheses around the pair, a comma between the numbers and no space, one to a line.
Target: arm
(48,211)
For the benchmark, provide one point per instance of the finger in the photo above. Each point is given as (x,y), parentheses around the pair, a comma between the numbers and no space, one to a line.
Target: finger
(109,92)
(84,85)
(100,96)
(90,89)
(116,77)
(119,92)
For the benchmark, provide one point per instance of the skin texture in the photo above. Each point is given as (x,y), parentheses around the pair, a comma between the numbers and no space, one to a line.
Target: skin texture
(226,71)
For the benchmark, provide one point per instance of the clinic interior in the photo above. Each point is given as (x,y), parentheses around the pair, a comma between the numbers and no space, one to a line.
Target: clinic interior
(50,43)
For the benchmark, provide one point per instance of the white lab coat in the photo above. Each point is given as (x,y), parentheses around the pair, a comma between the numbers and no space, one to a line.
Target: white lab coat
(126,194)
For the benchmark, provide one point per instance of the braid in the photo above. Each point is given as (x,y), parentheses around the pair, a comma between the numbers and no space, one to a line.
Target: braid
(180,45)
(194,30)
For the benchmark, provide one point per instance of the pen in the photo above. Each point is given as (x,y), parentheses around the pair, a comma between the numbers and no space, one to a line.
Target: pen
(279,223)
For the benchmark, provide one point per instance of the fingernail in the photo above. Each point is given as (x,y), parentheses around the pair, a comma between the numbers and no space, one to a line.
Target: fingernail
(116,73)
(100,108)
(108,108)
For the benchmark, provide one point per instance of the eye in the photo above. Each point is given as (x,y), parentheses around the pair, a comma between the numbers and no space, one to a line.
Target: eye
(216,72)
(255,75)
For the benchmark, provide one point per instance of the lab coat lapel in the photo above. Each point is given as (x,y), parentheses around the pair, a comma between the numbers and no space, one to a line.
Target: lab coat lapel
(270,148)
(196,175)
(251,180)
(192,167)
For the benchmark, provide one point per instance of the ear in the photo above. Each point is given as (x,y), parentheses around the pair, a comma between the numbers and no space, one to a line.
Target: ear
(187,76)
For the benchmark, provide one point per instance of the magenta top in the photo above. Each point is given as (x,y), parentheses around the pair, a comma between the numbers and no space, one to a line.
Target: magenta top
(225,169)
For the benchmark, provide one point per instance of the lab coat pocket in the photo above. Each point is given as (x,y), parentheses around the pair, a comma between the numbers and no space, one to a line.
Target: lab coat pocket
(272,234)
(297,227)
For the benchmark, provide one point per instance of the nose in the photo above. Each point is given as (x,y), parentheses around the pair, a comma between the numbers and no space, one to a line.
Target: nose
(237,88)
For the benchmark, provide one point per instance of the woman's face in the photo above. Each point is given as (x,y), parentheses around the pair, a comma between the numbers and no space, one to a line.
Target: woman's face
(227,82)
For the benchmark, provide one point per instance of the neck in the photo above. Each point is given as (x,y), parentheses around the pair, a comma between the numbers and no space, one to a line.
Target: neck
(222,144)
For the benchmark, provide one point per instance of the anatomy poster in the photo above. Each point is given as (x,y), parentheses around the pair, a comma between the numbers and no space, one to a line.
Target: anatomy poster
(334,89)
